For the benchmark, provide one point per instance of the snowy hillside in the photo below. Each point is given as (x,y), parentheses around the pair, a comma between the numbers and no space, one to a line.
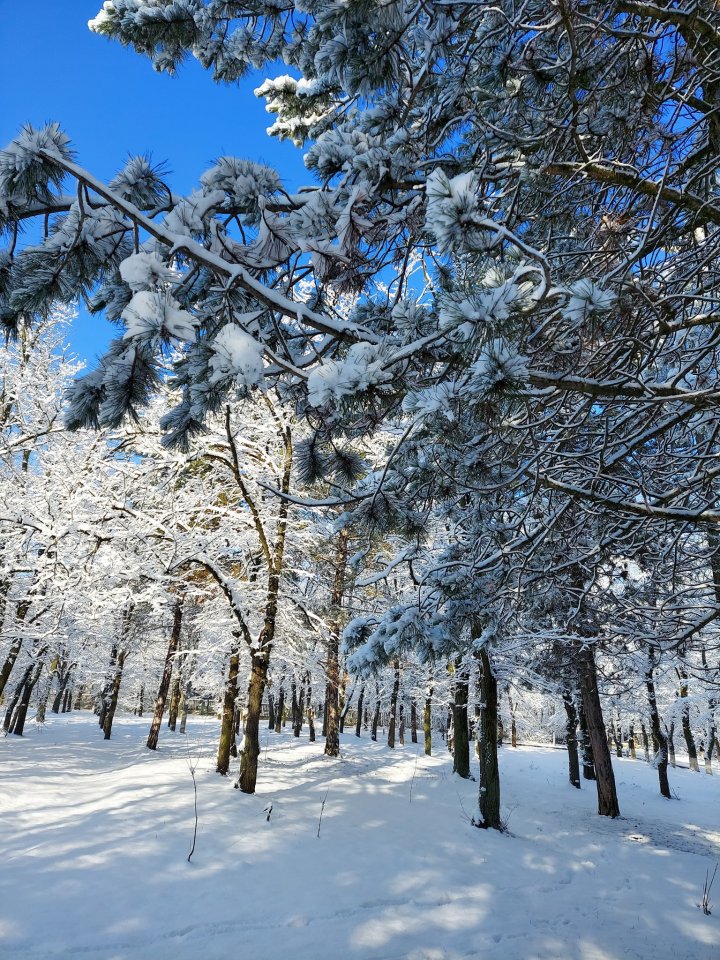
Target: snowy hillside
(95,837)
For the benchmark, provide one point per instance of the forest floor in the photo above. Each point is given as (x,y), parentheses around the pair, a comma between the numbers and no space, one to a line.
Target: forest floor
(94,838)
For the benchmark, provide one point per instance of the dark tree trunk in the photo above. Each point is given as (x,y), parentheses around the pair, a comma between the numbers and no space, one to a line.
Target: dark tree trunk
(152,740)
(608,805)
(8,721)
(310,714)
(67,701)
(376,715)
(631,742)
(513,726)
(114,694)
(332,702)
(106,692)
(413,722)
(685,723)
(358,719)
(393,705)
(175,695)
(59,698)
(251,741)
(489,794)
(587,754)
(427,722)
(227,726)
(21,612)
(661,760)
(299,717)
(184,707)
(461,752)
(346,706)
(646,742)
(18,722)
(141,700)
(280,707)
(271,711)
(670,734)
(571,740)
(401,726)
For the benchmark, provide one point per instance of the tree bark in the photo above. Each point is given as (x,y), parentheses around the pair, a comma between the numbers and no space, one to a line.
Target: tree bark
(685,724)
(393,705)
(280,706)
(21,612)
(661,760)
(18,722)
(310,714)
(608,805)
(489,793)
(571,740)
(587,754)
(114,694)
(332,704)
(413,722)
(9,713)
(376,714)
(152,740)
(427,722)
(227,726)
(358,719)
(461,752)
(251,741)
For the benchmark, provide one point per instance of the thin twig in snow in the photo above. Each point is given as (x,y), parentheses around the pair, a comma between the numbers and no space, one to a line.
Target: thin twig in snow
(322,807)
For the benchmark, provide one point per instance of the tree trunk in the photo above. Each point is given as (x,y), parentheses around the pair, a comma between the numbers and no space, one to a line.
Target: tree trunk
(401,726)
(114,694)
(489,794)
(227,727)
(346,706)
(67,701)
(271,711)
(21,612)
(685,723)
(376,714)
(141,700)
(631,742)
(152,740)
(17,725)
(298,724)
(513,726)
(461,753)
(393,705)
(16,697)
(358,719)
(175,695)
(587,754)
(571,740)
(280,707)
(427,722)
(661,760)
(670,735)
(646,743)
(251,740)
(413,722)
(310,715)
(332,704)
(184,708)
(604,777)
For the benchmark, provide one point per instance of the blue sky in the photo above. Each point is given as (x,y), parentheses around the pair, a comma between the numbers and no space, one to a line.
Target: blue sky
(111,103)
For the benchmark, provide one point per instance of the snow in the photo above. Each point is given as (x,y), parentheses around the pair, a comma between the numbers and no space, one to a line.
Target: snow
(236,355)
(362,367)
(95,837)
(157,314)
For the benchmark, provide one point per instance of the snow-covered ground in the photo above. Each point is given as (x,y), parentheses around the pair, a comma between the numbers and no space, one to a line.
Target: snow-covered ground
(94,838)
